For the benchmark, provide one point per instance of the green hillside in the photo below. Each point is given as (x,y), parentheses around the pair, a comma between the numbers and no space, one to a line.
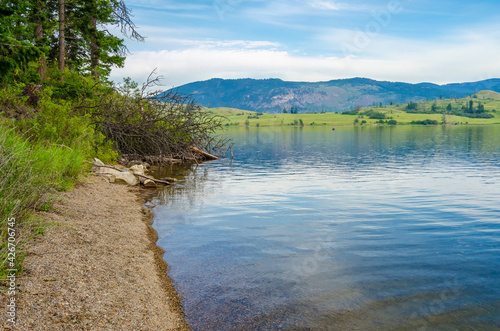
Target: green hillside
(425,112)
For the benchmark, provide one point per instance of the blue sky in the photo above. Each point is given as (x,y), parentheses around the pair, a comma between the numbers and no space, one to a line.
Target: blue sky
(315,40)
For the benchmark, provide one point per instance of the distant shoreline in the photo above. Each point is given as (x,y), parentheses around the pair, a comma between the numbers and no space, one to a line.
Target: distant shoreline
(481,108)
(359,126)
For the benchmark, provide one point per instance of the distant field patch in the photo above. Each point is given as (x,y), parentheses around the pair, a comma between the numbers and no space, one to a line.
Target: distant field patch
(430,111)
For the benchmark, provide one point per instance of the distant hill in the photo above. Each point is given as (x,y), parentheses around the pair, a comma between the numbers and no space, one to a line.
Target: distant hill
(272,95)
(431,112)
(469,88)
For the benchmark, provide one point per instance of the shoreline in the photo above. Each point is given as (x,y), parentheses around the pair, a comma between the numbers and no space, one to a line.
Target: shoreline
(162,266)
(97,266)
(357,126)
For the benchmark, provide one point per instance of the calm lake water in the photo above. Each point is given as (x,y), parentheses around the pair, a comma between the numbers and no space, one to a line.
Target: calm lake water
(388,228)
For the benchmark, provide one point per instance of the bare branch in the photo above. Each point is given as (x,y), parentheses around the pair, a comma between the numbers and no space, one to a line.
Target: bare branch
(159,125)
(124,19)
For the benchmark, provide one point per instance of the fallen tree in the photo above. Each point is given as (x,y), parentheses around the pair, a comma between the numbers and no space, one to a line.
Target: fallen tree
(99,164)
(159,126)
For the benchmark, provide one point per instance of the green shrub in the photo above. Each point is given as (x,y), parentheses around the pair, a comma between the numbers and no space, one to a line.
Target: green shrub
(376,115)
(350,112)
(28,173)
(60,122)
(425,122)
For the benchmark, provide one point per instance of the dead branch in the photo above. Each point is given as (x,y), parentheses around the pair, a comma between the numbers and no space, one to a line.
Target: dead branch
(169,181)
(205,154)
(158,124)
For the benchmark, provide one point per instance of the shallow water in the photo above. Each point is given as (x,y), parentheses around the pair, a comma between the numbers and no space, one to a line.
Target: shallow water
(308,228)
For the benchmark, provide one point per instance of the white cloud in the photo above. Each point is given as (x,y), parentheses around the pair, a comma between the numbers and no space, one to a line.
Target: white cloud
(177,43)
(325,7)
(465,55)
(245,44)
(324,4)
(336,6)
(180,67)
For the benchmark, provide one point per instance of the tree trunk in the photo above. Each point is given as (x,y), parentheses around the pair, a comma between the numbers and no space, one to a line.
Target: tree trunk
(94,48)
(42,70)
(62,41)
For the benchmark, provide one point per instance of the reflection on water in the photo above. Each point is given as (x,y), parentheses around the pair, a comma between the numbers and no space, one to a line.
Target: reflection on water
(369,228)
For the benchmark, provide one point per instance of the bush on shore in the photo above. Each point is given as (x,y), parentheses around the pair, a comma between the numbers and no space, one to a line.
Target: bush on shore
(46,133)
(29,173)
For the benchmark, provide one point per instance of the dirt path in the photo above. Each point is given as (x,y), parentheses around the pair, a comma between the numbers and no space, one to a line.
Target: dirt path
(97,268)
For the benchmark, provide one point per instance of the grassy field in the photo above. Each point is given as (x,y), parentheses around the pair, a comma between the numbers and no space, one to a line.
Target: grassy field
(490,100)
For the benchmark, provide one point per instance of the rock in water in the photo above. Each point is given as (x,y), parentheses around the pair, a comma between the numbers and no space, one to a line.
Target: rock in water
(149,183)
(138,169)
(132,163)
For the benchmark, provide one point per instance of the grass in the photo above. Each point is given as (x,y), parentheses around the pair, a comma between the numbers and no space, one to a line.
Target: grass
(491,101)
(29,174)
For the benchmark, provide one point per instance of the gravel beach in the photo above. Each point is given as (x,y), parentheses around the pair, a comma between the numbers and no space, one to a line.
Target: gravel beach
(97,266)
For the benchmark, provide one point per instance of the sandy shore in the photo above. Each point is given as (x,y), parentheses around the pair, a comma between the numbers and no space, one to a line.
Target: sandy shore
(97,267)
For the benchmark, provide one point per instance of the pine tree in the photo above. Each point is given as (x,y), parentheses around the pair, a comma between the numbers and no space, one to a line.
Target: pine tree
(16,34)
(102,48)
(480,108)
(71,34)
(39,18)
(62,39)
(434,106)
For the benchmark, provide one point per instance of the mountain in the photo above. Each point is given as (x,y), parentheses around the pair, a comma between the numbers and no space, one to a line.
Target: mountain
(469,88)
(272,95)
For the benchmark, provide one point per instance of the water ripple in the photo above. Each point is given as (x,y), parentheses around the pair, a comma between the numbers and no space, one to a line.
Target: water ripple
(376,228)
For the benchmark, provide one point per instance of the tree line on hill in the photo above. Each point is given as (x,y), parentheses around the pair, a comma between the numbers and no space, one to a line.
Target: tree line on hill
(469,109)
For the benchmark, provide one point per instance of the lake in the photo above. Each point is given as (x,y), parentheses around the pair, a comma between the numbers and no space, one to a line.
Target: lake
(366,228)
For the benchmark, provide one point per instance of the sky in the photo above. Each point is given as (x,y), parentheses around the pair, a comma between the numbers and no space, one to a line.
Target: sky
(438,41)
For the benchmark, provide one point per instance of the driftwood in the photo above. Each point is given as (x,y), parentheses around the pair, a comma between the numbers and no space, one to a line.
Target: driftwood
(205,154)
(154,159)
(169,181)
(152,122)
